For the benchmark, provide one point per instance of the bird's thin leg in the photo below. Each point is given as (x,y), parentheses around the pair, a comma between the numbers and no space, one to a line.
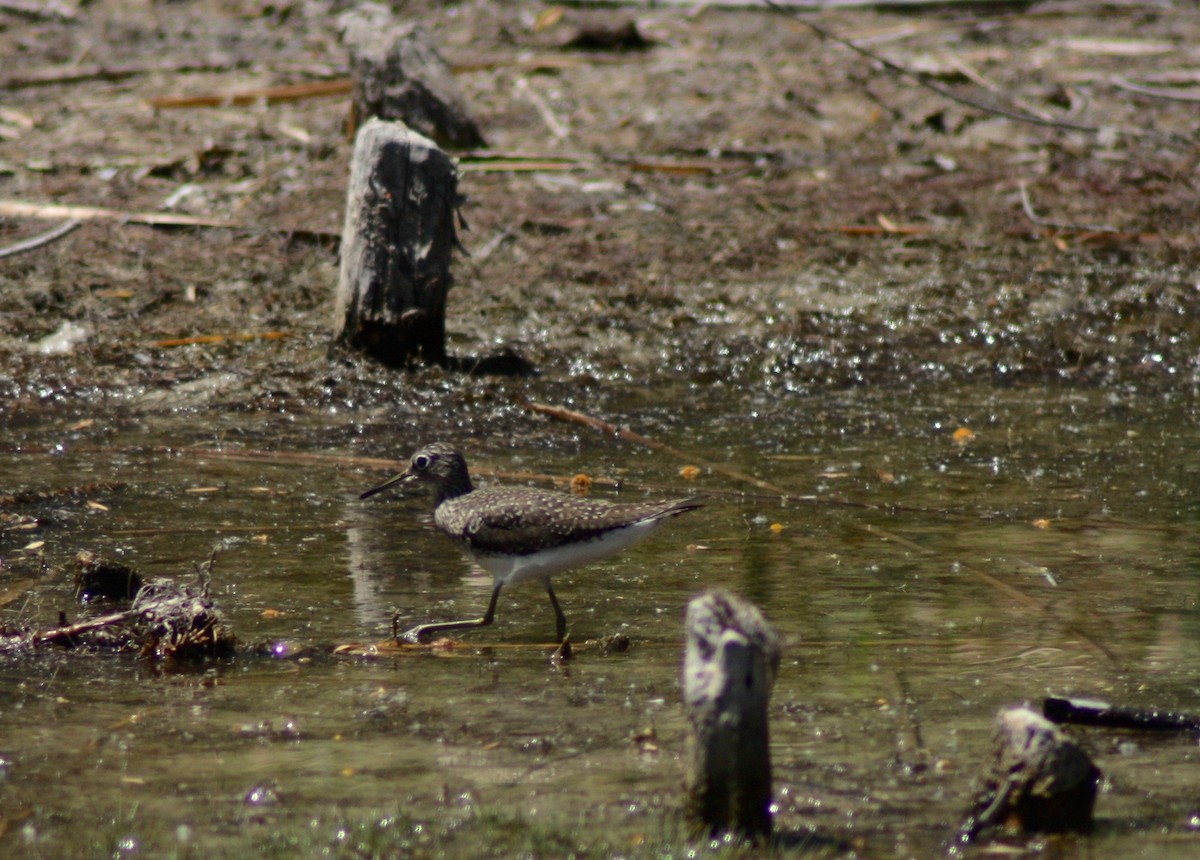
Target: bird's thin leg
(560,620)
(422,631)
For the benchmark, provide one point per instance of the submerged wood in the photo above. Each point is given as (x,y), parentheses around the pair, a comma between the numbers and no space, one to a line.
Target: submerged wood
(166,621)
(396,246)
(180,624)
(399,75)
(100,578)
(1037,779)
(730,662)
(1088,712)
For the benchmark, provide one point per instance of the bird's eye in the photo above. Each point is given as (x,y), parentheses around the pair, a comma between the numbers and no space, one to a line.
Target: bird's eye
(421,462)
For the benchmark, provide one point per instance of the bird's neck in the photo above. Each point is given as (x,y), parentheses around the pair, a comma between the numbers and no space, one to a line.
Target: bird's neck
(453,487)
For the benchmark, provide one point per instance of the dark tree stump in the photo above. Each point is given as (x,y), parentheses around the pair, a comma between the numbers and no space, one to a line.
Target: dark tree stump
(1038,780)
(396,245)
(399,75)
(730,663)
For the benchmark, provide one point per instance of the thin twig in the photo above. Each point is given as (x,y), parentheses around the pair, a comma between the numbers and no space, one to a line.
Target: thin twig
(1038,606)
(1015,593)
(71,74)
(911,751)
(15,590)
(927,81)
(769,491)
(570,415)
(287,92)
(42,239)
(25,209)
(1173,94)
(1059,225)
(628,435)
(557,128)
(976,77)
(204,572)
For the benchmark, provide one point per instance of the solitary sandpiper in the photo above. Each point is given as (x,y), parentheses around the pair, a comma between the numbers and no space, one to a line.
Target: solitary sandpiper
(520,533)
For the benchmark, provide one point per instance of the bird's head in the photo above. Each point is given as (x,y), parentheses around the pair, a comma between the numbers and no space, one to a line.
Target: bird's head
(438,463)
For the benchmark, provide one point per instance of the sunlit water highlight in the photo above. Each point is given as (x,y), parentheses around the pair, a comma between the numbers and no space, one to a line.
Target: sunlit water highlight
(924,581)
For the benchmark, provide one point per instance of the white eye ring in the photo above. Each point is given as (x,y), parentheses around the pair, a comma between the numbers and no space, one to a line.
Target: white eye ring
(421,462)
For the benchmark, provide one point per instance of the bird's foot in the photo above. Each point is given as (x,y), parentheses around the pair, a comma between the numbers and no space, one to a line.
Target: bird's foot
(414,636)
(562,654)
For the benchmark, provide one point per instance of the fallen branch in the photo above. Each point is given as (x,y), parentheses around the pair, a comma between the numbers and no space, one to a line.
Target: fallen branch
(570,415)
(67,634)
(38,241)
(519,165)
(1014,593)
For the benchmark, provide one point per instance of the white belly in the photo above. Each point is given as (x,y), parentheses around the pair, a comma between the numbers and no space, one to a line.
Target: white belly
(547,562)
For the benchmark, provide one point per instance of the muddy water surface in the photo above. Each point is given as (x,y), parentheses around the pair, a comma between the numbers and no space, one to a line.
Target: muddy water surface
(948,552)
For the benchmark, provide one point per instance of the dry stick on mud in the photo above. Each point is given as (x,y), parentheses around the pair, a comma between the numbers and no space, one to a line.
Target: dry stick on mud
(28,209)
(924,80)
(41,239)
(270,95)
(75,74)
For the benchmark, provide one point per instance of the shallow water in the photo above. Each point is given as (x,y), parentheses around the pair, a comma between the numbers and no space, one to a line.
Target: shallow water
(921,581)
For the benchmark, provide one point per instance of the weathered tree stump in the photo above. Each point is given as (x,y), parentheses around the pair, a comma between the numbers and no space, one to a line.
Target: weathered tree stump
(397,241)
(399,75)
(730,663)
(1038,780)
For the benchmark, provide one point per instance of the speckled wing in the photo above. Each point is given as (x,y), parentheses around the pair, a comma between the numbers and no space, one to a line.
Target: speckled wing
(523,520)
